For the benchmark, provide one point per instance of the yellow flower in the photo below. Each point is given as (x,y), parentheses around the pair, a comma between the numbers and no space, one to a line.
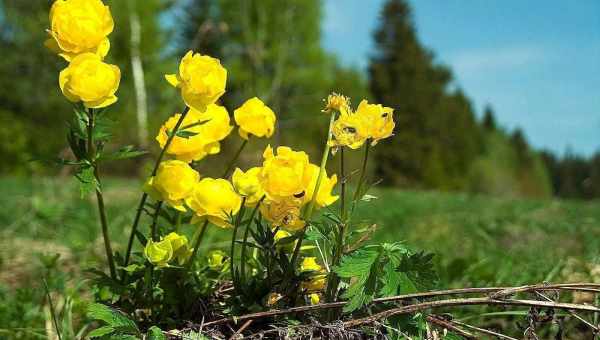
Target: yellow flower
(285,174)
(255,118)
(201,79)
(79,26)
(324,197)
(273,298)
(280,235)
(173,183)
(248,184)
(378,119)
(159,253)
(216,259)
(337,102)
(283,213)
(210,127)
(90,80)
(215,200)
(310,264)
(316,283)
(349,130)
(314,298)
(180,246)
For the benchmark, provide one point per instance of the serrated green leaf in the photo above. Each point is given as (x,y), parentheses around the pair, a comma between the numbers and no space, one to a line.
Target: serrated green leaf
(125,152)
(101,331)
(155,333)
(419,268)
(185,134)
(87,180)
(357,263)
(391,280)
(112,318)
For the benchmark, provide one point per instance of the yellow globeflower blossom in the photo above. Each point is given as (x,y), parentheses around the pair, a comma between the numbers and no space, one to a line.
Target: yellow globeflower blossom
(79,26)
(314,298)
(173,183)
(283,213)
(273,298)
(208,129)
(338,103)
(90,80)
(310,264)
(317,282)
(378,119)
(180,246)
(324,197)
(216,200)
(216,260)
(159,253)
(285,174)
(349,130)
(201,79)
(248,185)
(255,118)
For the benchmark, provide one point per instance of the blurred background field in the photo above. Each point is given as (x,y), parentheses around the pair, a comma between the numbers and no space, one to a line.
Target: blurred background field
(457,179)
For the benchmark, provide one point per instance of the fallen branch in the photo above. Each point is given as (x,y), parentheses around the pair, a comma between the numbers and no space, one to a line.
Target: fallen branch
(440,322)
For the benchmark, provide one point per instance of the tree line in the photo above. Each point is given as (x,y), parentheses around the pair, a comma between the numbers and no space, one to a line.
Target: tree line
(440,142)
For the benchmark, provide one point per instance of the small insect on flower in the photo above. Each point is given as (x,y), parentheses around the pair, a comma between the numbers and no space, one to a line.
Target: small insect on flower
(201,79)
(89,80)
(255,118)
(215,200)
(173,183)
(79,26)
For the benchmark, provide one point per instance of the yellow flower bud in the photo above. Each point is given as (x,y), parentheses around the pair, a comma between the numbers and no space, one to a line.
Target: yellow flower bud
(201,79)
(316,283)
(310,264)
(338,103)
(285,174)
(314,298)
(210,127)
(324,197)
(283,213)
(79,26)
(280,235)
(215,200)
(173,183)
(159,253)
(378,119)
(273,298)
(248,184)
(255,118)
(90,80)
(216,259)
(180,246)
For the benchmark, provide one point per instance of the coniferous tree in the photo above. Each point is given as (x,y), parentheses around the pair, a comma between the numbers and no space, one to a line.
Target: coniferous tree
(489,120)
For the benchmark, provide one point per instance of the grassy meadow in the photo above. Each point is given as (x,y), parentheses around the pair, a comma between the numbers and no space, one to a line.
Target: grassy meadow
(478,240)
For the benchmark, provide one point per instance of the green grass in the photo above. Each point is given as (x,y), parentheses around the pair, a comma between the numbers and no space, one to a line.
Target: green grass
(478,240)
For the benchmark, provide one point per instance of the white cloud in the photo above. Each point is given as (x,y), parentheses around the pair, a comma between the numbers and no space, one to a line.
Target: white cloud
(495,59)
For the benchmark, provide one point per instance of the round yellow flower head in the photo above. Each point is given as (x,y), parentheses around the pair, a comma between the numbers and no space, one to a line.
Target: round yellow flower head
(316,283)
(216,260)
(338,103)
(173,183)
(201,79)
(209,128)
(285,174)
(255,118)
(378,119)
(79,26)
(180,246)
(159,253)
(310,264)
(248,184)
(216,200)
(324,197)
(280,235)
(349,130)
(90,80)
(283,213)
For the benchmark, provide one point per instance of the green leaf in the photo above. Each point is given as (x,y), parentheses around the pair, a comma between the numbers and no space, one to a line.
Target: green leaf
(419,268)
(391,280)
(124,153)
(361,266)
(112,318)
(357,263)
(87,180)
(155,333)
(102,331)
(185,134)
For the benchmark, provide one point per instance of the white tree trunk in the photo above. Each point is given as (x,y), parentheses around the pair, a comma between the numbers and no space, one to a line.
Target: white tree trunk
(138,77)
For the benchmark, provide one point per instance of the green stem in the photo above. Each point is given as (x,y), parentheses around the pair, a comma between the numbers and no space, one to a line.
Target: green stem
(178,218)
(246,232)
(234,159)
(140,207)
(311,206)
(52,311)
(361,180)
(238,220)
(188,265)
(155,221)
(99,197)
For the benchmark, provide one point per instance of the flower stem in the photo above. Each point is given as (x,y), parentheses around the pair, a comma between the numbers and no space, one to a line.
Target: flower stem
(140,207)
(311,206)
(236,226)
(99,197)
(234,159)
(188,265)
(361,180)
(155,221)
(246,232)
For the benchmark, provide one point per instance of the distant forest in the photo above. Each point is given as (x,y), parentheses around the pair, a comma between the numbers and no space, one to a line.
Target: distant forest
(441,142)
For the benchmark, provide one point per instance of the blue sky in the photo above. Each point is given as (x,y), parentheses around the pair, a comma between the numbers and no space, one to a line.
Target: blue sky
(536,62)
